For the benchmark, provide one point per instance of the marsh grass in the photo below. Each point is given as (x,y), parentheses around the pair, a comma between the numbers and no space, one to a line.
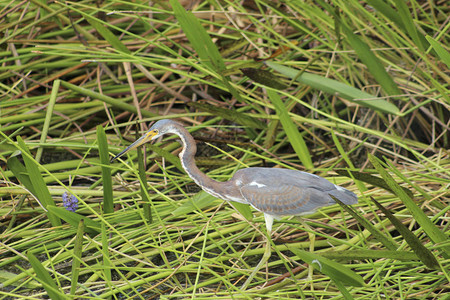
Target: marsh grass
(364,89)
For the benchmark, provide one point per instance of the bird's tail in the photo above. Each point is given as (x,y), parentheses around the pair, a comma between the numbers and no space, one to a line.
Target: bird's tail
(344,195)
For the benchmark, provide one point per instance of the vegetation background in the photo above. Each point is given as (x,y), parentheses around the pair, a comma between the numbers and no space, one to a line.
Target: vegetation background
(355,91)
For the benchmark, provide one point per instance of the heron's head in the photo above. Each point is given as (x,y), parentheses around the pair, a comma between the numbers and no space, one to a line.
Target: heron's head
(158,129)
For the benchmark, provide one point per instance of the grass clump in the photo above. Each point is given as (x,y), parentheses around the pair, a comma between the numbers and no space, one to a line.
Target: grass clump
(355,92)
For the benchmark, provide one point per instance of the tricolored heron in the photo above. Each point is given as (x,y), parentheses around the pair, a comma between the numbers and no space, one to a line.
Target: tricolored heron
(273,191)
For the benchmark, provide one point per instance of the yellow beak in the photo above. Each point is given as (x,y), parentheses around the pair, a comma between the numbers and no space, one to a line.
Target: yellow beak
(148,136)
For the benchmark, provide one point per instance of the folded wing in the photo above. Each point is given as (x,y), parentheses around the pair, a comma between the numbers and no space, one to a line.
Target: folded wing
(281,192)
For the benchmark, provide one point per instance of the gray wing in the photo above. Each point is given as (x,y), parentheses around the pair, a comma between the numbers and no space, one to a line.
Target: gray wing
(281,192)
(284,200)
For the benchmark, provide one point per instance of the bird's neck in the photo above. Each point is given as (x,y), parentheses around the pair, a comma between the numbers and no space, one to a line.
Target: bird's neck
(223,190)
(187,157)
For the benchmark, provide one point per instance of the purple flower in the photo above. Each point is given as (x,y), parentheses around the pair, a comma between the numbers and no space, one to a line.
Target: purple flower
(70,203)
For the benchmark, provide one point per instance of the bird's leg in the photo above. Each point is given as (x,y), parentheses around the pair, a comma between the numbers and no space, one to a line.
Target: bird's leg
(267,251)
(312,239)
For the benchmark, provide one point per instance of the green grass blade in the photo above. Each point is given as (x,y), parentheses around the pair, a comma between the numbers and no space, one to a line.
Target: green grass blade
(46,10)
(172,159)
(443,54)
(365,54)
(108,201)
(344,292)
(45,279)
(372,62)
(77,255)
(334,87)
(106,267)
(21,173)
(409,26)
(203,199)
(334,270)
(74,219)
(143,182)
(39,186)
(105,33)
(371,254)
(199,38)
(198,201)
(48,117)
(109,100)
(384,8)
(7,276)
(422,252)
(264,77)
(386,240)
(294,136)
(436,235)
(370,179)
(243,209)
(402,18)
(203,45)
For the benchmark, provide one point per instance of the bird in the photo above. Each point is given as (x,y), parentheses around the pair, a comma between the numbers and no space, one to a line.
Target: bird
(276,192)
